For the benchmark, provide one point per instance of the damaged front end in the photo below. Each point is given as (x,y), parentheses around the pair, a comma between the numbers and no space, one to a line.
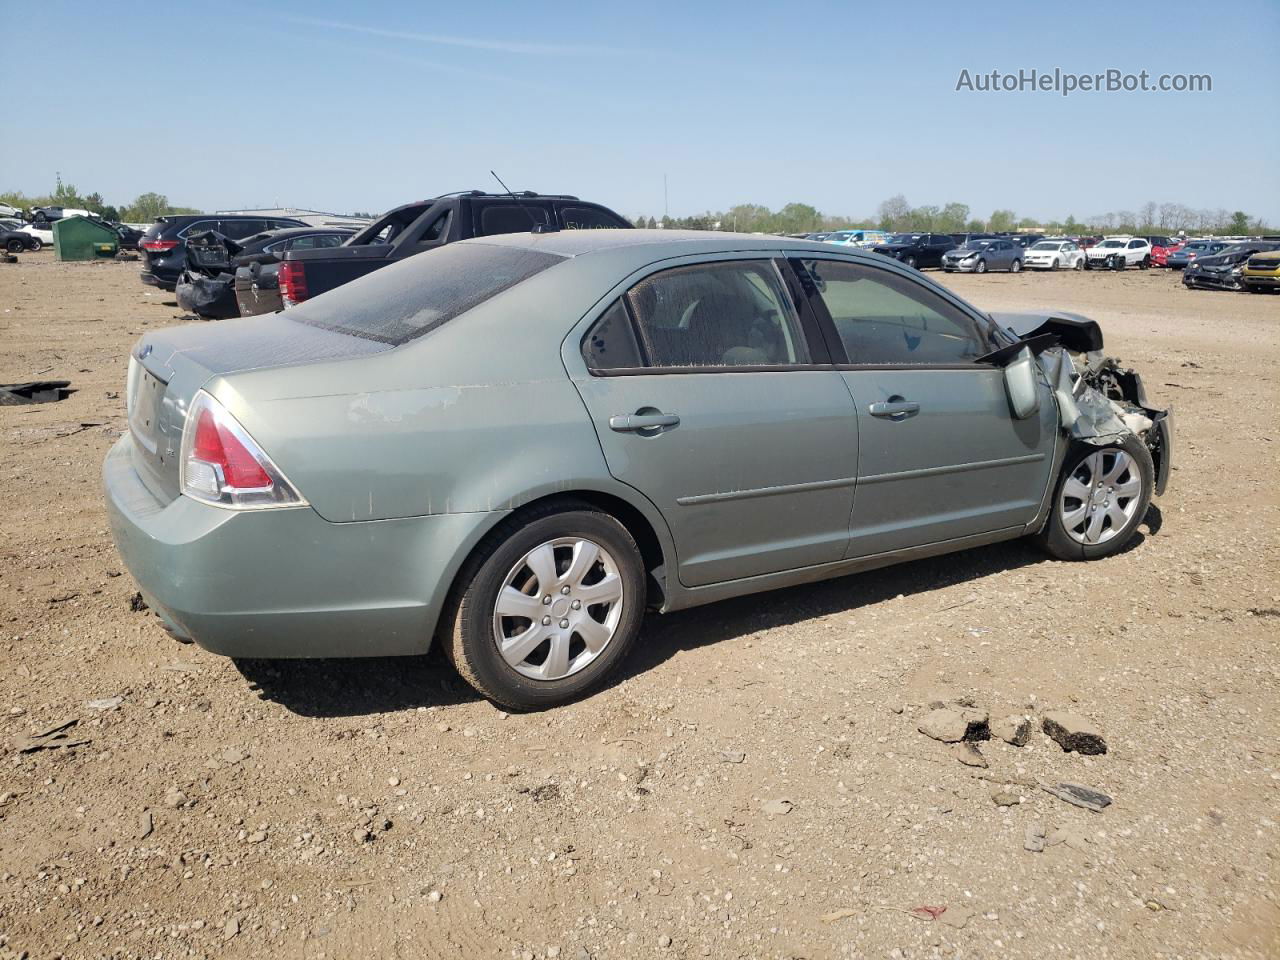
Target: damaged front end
(1099,402)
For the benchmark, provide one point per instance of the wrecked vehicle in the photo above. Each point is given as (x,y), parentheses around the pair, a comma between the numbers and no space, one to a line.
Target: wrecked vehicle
(209,285)
(1224,270)
(524,442)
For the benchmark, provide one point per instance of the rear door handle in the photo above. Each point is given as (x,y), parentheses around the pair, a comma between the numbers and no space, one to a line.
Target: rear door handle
(633,422)
(897,409)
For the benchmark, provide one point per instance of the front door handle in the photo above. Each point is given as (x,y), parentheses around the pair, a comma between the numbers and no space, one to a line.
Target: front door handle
(895,408)
(638,422)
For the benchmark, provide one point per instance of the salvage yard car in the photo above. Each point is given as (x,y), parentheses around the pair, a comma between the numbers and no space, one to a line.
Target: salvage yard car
(1178,259)
(17,240)
(517,445)
(918,250)
(1128,251)
(164,245)
(979,256)
(1262,273)
(1225,269)
(1055,255)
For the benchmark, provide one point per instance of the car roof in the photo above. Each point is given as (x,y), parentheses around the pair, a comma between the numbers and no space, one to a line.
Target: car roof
(660,243)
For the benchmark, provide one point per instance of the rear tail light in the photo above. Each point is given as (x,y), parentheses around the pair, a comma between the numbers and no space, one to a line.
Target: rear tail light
(223,465)
(292,277)
(158,246)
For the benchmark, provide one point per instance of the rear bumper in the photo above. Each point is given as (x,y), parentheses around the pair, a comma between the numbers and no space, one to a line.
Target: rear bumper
(285,583)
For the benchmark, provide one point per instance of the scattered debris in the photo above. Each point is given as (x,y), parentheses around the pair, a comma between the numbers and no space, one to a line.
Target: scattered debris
(1034,837)
(62,598)
(106,703)
(1079,795)
(841,914)
(1073,732)
(1013,729)
(732,756)
(968,754)
(34,391)
(136,603)
(230,929)
(52,738)
(952,916)
(777,808)
(233,755)
(1069,836)
(952,726)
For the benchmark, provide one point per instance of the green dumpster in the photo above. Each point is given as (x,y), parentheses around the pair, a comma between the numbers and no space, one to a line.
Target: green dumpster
(83,238)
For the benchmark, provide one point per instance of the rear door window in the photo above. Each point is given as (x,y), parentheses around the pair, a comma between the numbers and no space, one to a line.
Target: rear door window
(239,229)
(611,343)
(589,218)
(724,314)
(883,318)
(409,298)
(494,218)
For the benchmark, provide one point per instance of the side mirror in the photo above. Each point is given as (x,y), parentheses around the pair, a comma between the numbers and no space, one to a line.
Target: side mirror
(1020,383)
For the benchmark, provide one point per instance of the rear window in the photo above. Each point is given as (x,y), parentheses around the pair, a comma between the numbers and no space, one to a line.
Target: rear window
(509,218)
(589,218)
(407,299)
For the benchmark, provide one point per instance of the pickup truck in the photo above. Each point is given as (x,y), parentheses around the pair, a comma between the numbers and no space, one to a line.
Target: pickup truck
(425,225)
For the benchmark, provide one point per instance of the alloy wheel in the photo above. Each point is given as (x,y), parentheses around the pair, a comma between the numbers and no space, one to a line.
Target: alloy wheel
(558,608)
(1100,496)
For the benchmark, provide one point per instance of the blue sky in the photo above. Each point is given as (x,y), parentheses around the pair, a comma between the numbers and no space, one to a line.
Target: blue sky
(345,106)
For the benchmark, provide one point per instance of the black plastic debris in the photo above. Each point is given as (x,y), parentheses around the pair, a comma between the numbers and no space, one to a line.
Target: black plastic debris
(37,391)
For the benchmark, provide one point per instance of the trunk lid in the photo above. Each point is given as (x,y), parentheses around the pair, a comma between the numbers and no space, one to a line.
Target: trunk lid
(168,367)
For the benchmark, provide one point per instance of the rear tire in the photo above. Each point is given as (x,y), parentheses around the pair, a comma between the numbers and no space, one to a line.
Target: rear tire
(36,244)
(910,262)
(1080,264)
(1015,267)
(530,563)
(1099,500)
(15,246)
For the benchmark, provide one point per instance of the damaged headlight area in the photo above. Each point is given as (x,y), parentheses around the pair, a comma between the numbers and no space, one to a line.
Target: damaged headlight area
(1101,402)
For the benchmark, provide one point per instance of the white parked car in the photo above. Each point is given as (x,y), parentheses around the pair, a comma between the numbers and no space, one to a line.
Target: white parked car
(1136,251)
(8,211)
(1054,255)
(43,232)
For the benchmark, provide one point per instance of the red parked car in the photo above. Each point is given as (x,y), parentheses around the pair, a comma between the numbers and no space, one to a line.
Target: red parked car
(1161,247)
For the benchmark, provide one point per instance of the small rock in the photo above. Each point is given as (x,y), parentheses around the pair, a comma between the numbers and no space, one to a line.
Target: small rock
(1069,836)
(1081,796)
(435,896)
(777,808)
(174,799)
(1033,838)
(258,836)
(362,835)
(952,726)
(233,755)
(230,929)
(1012,729)
(146,825)
(968,754)
(732,756)
(1073,732)
(1005,797)
(106,703)
(955,917)
(664,941)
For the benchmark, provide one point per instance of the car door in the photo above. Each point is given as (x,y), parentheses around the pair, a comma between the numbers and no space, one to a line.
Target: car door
(940,454)
(713,400)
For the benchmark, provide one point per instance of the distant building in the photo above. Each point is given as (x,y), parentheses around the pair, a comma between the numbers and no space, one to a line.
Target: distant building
(312,218)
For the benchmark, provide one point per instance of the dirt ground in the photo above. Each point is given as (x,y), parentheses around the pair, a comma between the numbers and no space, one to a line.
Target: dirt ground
(754,785)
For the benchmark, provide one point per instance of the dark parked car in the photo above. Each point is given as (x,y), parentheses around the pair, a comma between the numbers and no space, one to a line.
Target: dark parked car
(918,250)
(979,256)
(428,225)
(129,236)
(208,286)
(164,245)
(1223,270)
(1025,240)
(1179,259)
(15,241)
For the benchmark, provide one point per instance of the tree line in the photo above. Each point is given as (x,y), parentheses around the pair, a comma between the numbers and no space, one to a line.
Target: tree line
(896,214)
(144,208)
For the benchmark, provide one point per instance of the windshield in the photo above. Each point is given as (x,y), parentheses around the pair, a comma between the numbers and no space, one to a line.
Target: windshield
(407,299)
(1046,245)
(1111,243)
(1196,247)
(977,244)
(904,238)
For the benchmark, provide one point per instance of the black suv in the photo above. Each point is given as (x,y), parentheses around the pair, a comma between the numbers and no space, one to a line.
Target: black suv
(917,249)
(164,245)
(426,225)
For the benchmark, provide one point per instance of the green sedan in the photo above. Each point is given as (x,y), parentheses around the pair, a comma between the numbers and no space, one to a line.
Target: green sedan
(516,446)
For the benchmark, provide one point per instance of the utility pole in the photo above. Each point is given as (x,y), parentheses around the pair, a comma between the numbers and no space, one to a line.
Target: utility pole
(665,211)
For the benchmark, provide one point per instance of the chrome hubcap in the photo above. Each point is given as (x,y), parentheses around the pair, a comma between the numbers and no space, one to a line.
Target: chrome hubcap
(558,608)
(1100,497)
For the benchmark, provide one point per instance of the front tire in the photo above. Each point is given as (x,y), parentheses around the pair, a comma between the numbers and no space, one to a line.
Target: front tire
(36,244)
(981,267)
(1056,264)
(1080,264)
(910,262)
(15,246)
(548,606)
(1015,267)
(1099,500)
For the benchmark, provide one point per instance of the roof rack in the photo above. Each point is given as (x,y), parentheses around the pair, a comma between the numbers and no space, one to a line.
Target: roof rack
(518,193)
